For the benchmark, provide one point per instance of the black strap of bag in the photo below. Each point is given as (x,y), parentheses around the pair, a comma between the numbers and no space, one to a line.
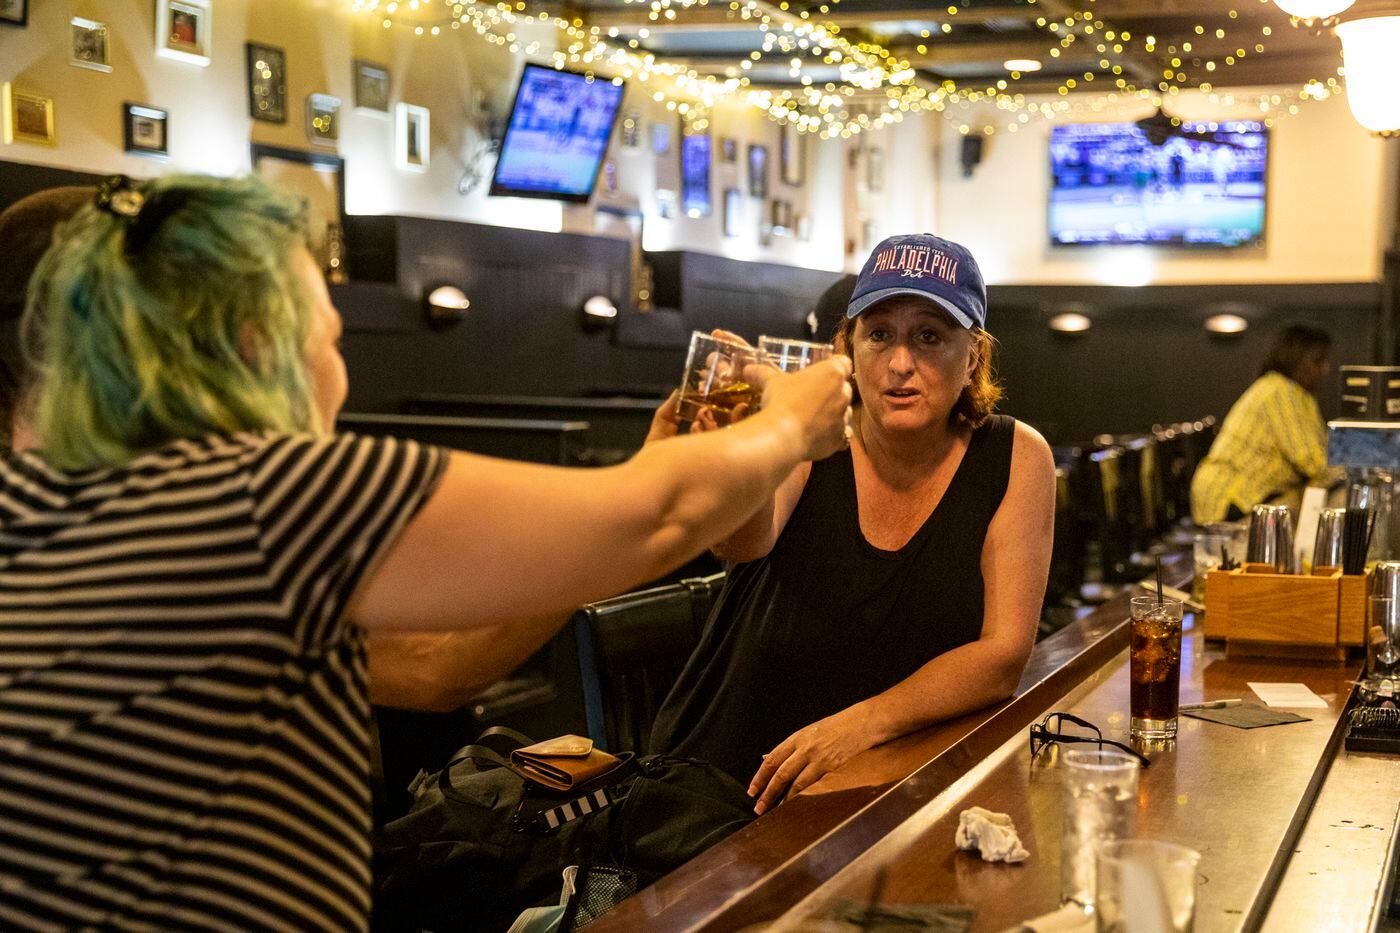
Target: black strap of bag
(529,815)
(603,791)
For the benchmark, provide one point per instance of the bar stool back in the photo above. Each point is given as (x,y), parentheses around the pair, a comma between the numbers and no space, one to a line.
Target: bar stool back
(631,650)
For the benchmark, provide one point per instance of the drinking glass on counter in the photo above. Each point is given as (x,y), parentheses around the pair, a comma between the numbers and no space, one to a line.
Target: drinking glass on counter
(714,379)
(1100,805)
(1145,884)
(1383,648)
(1205,551)
(792,355)
(1154,661)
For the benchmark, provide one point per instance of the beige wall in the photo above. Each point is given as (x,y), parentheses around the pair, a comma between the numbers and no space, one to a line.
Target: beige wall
(1329,212)
(1330,183)
(210,129)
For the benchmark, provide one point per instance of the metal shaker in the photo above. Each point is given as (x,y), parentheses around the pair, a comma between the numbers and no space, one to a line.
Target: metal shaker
(1383,632)
(1271,538)
(1327,546)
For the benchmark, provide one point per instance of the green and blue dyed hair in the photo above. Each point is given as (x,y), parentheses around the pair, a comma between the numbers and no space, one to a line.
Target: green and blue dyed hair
(179,321)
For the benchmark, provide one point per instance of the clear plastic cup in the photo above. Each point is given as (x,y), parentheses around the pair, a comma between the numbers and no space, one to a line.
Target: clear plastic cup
(1146,884)
(1100,805)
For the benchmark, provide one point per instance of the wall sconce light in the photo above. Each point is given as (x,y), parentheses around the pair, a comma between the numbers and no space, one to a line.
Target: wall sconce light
(1226,324)
(446,304)
(599,313)
(1070,322)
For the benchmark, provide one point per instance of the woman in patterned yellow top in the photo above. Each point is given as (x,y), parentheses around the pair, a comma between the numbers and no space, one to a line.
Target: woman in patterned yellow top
(1273,441)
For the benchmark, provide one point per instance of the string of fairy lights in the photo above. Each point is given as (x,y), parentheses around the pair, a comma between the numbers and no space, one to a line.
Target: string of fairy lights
(876,86)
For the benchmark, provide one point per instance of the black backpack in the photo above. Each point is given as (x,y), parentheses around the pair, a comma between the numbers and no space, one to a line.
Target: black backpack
(480,844)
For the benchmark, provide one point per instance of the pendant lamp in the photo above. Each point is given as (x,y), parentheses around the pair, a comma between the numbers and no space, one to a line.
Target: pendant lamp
(1370,34)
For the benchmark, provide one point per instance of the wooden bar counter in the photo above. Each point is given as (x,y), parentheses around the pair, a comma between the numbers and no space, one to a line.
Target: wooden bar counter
(1240,797)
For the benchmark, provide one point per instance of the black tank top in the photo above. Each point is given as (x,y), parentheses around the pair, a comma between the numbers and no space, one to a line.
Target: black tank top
(827,619)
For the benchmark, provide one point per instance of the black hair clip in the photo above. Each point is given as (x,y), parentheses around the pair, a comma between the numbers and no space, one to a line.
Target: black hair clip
(143,213)
(117,195)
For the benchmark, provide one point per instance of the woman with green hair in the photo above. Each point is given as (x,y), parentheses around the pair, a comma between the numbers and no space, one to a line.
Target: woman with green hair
(190,558)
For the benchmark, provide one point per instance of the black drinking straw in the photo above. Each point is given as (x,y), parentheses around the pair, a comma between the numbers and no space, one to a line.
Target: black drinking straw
(1159,581)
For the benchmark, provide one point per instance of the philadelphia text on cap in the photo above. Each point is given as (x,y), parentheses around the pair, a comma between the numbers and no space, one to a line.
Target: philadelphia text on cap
(917,260)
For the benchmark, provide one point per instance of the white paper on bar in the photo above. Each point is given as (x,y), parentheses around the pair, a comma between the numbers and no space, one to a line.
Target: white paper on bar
(1288,696)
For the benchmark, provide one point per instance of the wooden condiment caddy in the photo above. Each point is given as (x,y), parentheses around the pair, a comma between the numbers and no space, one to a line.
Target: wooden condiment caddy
(1259,612)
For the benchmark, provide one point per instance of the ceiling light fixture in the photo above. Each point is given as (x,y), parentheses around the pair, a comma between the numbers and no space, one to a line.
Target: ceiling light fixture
(1370,34)
(1226,324)
(1021,64)
(1310,11)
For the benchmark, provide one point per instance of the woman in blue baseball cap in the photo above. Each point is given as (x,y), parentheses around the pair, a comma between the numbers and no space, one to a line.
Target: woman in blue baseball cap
(894,584)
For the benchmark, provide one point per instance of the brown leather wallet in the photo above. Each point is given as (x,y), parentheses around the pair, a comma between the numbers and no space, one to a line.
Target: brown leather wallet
(562,764)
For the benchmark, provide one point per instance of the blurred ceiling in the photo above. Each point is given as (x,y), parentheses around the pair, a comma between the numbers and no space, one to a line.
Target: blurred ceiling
(1081,45)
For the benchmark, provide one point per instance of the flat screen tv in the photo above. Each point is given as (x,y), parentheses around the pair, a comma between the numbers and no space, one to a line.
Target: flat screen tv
(695,174)
(557,135)
(1202,186)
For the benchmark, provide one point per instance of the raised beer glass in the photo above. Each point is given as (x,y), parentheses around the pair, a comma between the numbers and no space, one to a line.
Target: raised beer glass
(792,355)
(714,382)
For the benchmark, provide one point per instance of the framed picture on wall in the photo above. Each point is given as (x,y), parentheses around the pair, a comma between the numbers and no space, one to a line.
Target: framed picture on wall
(184,30)
(146,130)
(89,44)
(733,211)
(267,83)
(630,129)
(371,87)
(794,156)
(323,119)
(781,217)
(660,138)
(695,174)
(665,204)
(411,137)
(758,171)
(14,13)
(319,179)
(875,170)
(28,118)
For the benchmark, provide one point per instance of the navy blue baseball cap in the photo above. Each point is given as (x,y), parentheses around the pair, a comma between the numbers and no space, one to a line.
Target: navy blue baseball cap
(923,266)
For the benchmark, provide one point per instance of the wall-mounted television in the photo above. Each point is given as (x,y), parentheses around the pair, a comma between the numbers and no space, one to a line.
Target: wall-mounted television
(558,132)
(1203,185)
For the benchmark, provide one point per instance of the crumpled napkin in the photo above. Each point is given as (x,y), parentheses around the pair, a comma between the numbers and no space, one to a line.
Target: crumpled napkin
(991,835)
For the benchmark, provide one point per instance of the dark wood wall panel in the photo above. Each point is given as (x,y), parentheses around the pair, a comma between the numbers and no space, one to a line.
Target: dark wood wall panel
(1148,359)
(523,334)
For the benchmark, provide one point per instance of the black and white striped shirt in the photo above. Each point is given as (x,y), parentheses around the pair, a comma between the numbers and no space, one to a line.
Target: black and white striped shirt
(183,712)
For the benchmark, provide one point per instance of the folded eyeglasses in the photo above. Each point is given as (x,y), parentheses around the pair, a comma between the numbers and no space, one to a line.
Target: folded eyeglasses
(1051,730)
